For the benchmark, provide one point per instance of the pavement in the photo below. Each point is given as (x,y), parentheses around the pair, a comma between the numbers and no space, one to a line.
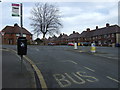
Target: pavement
(13,76)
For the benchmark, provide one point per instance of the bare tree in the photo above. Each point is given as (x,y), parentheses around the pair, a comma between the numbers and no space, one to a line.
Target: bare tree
(45,19)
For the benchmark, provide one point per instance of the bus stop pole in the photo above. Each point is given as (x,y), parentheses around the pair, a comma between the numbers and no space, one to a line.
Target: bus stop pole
(21,32)
(21,20)
(21,62)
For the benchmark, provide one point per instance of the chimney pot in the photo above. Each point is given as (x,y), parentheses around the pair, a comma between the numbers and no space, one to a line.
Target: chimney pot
(15,24)
(96,27)
(88,29)
(73,32)
(107,24)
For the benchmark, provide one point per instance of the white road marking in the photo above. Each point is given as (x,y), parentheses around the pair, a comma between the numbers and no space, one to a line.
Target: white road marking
(69,61)
(112,79)
(89,69)
(37,49)
(105,56)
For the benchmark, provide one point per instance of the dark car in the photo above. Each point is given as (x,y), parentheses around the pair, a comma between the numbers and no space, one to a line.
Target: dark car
(51,44)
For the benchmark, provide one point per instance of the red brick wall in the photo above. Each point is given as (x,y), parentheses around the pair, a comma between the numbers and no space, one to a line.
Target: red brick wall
(12,39)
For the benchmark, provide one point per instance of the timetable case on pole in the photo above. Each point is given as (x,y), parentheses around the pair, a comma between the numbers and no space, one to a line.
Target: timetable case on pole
(22,46)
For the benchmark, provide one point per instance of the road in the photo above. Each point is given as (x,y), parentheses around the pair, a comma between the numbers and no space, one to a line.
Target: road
(63,67)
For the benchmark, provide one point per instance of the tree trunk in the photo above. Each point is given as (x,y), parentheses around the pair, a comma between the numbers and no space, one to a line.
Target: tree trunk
(43,39)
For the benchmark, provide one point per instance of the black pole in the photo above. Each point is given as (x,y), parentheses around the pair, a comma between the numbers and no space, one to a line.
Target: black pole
(21,20)
(21,62)
(21,32)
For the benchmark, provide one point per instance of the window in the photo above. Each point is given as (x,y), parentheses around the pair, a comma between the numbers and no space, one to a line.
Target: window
(99,37)
(17,35)
(24,35)
(105,36)
(99,42)
(96,37)
(113,35)
(105,42)
(108,36)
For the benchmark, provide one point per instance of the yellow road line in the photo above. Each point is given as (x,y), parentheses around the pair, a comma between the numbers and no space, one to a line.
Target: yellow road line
(39,74)
(89,69)
(4,50)
(112,79)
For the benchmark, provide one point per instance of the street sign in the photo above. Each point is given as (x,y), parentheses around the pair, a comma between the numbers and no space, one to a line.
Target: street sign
(15,9)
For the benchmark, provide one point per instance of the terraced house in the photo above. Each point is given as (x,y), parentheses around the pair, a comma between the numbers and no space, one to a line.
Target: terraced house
(10,34)
(105,36)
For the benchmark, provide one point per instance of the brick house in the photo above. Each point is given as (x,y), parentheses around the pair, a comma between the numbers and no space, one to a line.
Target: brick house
(105,36)
(73,37)
(11,34)
(60,40)
(63,39)
(52,39)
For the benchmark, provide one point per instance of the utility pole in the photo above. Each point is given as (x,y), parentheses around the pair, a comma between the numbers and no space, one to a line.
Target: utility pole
(21,20)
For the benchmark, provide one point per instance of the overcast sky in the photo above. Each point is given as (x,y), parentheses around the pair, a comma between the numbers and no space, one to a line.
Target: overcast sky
(76,16)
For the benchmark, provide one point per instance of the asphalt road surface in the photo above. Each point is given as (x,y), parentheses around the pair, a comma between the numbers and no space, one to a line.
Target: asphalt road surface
(63,67)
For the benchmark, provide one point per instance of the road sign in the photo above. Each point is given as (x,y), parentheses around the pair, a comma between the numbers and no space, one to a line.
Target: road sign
(15,9)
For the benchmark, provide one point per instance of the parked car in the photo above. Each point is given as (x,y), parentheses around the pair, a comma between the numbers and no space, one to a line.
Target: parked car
(51,44)
(70,44)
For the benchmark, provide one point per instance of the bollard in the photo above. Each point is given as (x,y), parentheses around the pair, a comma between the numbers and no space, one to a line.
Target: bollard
(93,48)
(78,44)
(113,45)
(75,46)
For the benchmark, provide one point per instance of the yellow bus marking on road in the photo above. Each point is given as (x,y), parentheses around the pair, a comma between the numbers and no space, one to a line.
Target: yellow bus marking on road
(89,69)
(73,80)
(60,78)
(112,79)
(68,79)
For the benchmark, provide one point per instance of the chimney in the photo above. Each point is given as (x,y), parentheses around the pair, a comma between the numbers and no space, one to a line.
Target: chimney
(60,34)
(96,27)
(73,32)
(88,29)
(107,24)
(15,24)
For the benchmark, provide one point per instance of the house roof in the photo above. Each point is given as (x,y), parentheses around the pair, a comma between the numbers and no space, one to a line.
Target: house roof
(74,35)
(101,31)
(64,36)
(15,30)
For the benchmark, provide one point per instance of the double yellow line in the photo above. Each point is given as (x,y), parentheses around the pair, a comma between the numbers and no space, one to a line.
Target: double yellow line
(38,72)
